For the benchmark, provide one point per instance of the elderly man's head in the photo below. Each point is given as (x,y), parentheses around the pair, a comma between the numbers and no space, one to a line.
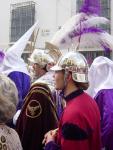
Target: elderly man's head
(41,62)
(8,99)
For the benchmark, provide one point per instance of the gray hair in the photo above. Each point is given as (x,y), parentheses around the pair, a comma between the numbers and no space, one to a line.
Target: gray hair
(8,99)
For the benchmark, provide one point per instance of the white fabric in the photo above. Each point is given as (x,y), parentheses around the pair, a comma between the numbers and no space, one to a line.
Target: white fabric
(100,75)
(10,138)
(15,118)
(19,65)
(47,79)
(13,60)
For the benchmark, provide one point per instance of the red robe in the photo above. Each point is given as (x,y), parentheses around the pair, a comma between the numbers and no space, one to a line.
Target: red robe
(37,117)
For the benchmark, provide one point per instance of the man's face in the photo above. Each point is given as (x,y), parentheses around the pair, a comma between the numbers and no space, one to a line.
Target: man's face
(59,80)
(36,69)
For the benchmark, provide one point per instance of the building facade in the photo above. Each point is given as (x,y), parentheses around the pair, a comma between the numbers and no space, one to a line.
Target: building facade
(52,14)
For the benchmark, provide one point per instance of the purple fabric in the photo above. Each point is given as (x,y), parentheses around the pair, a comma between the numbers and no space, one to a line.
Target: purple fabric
(52,146)
(22,82)
(2,55)
(58,103)
(91,7)
(104,99)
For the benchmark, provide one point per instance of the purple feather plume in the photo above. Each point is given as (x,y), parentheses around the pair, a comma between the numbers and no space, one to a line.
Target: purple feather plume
(83,31)
(91,7)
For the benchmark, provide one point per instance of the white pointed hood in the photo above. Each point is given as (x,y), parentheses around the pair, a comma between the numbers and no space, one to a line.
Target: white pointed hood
(13,61)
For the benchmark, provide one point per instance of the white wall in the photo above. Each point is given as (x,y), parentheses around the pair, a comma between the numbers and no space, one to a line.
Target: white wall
(73,7)
(51,14)
(63,9)
(4,23)
(46,14)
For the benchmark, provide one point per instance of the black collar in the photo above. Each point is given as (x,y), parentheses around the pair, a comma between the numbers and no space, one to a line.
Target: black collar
(72,95)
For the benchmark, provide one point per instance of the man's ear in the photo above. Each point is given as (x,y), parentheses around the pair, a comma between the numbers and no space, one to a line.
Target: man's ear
(69,77)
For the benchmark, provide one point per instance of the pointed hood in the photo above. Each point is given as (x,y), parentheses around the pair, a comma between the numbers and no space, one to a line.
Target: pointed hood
(13,61)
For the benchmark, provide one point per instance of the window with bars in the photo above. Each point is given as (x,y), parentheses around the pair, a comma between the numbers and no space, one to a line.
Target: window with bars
(22,18)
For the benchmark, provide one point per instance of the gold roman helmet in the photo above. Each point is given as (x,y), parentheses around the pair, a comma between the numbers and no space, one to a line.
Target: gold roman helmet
(40,57)
(76,63)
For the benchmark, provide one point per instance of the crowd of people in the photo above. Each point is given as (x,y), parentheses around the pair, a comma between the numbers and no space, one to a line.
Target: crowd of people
(85,105)
(59,102)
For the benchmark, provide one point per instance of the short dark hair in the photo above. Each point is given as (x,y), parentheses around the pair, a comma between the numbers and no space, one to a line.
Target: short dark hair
(82,85)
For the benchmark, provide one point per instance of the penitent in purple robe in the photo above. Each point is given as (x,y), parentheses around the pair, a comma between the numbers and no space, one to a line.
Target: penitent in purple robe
(22,82)
(104,99)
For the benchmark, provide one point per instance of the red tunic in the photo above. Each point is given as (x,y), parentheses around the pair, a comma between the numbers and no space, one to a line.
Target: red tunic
(79,127)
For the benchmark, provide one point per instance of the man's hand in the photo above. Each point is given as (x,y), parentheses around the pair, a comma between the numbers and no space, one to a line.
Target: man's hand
(50,136)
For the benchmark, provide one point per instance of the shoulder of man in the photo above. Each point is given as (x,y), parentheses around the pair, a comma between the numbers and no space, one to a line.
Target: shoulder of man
(35,102)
